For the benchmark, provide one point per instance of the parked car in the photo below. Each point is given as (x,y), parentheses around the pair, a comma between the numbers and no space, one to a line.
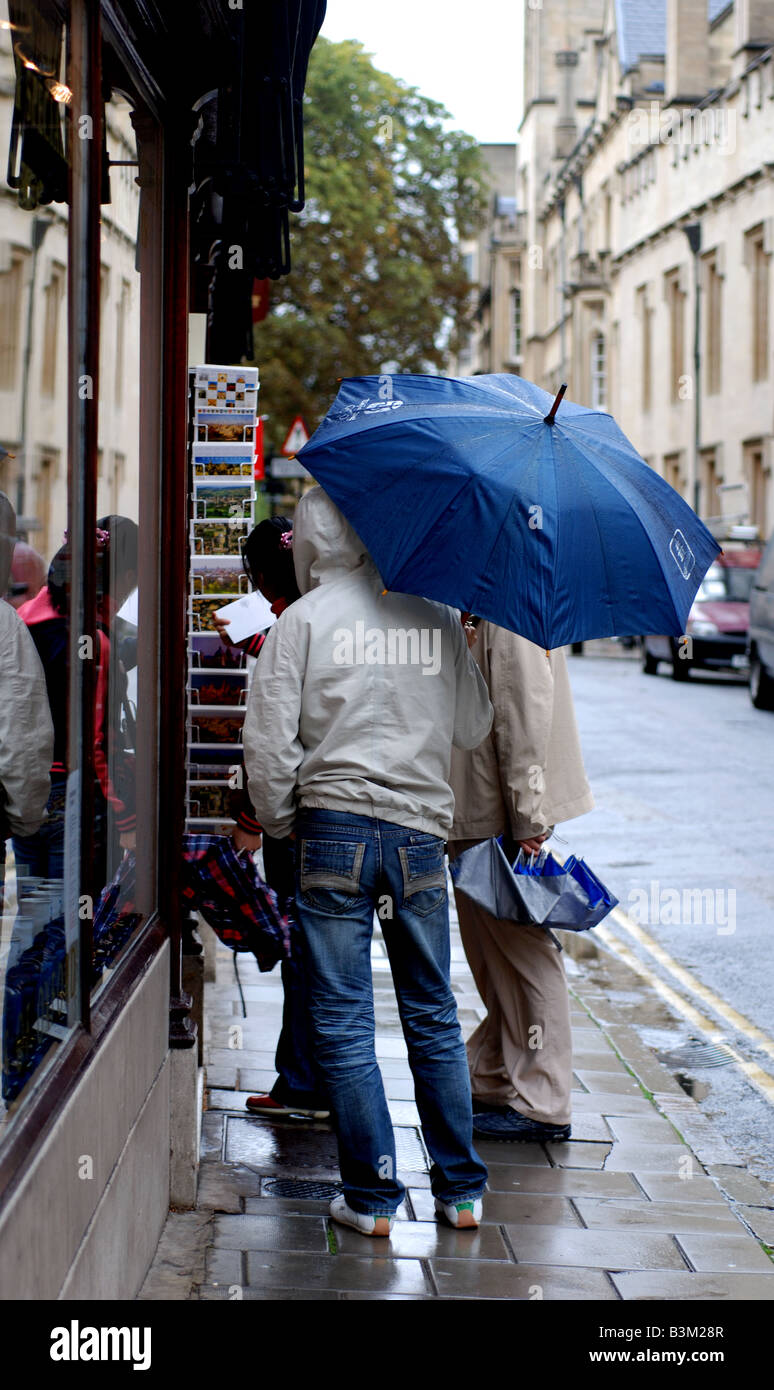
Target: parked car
(717,623)
(761,635)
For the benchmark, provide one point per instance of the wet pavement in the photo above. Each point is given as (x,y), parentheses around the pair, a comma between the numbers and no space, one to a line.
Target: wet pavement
(646,1200)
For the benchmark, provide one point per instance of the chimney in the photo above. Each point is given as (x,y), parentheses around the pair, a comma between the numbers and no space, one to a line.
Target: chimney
(754,25)
(687,75)
(566,128)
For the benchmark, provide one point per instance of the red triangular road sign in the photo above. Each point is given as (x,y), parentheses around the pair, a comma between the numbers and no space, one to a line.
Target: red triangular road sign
(296,438)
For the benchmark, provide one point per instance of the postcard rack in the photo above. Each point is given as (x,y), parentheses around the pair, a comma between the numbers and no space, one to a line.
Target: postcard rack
(223,419)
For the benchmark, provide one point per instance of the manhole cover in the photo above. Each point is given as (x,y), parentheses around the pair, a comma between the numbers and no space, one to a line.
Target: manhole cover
(302,1191)
(697,1054)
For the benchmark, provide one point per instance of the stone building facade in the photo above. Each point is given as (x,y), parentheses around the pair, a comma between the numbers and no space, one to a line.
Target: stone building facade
(645,176)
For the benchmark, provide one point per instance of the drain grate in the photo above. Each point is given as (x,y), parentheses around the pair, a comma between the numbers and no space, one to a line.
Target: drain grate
(697,1054)
(302,1191)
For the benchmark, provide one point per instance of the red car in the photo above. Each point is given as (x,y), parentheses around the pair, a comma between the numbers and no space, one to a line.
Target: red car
(717,623)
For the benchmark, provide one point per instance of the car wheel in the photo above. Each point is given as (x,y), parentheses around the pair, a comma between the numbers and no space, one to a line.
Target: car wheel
(649,662)
(761,685)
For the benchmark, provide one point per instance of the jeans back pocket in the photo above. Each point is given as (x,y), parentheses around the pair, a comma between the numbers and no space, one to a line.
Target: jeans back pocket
(424,876)
(329,874)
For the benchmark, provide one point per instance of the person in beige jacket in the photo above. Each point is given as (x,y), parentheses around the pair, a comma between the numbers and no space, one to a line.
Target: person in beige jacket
(526,777)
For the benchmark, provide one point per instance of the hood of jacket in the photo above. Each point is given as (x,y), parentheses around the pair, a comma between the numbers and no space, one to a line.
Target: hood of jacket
(7,541)
(325,546)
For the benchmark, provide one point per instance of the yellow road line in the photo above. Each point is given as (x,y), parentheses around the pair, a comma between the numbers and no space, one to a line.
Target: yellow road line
(708,997)
(755,1074)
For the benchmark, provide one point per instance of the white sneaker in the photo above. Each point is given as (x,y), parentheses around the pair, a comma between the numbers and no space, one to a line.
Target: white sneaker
(464,1215)
(360,1221)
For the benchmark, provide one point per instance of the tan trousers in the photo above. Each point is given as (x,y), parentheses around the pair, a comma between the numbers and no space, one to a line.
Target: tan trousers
(521,1055)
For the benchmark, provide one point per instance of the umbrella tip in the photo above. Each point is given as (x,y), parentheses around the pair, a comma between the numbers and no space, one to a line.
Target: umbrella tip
(550,417)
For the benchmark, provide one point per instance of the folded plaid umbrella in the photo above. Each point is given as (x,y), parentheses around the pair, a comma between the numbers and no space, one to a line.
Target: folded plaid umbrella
(224,885)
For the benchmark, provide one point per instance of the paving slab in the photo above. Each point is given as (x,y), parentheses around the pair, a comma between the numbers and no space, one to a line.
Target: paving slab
(250,1079)
(213,1133)
(731,1254)
(665,1187)
(276,1232)
(512,1155)
(643,1129)
(574,1154)
(741,1185)
(691,1288)
(609,1250)
(761,1219)
(347,1273)
(651,1158)
(456,1279)
(423,1240)
(606,1103)
(591,1128)
(213,1293)
(569,1182)
(589,1039)
(224,1266)
(500,1207)
(670,1217)
(604,1061)
(223,1186)
(615,1079)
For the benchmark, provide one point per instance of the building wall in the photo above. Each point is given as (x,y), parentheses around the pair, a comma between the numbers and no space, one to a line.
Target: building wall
(41,498)
(494,266)
(85,1219)
(604,233)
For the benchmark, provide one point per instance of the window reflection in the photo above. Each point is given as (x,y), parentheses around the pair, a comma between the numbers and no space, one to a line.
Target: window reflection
(39,969)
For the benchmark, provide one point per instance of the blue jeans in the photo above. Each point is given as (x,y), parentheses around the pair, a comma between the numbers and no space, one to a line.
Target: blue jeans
(297,1080)
(347,866)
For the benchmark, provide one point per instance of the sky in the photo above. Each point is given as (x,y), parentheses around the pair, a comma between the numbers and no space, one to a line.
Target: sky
(466,54)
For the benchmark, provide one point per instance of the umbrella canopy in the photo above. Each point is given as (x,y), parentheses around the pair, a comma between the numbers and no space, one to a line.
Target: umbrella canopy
(463,492)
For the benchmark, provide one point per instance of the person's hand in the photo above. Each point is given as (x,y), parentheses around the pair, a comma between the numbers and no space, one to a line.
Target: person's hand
(469,628)
(533,846)
(220,625)
(244,840)
(128,840)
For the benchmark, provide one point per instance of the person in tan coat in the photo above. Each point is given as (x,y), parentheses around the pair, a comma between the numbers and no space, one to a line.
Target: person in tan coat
(525,778)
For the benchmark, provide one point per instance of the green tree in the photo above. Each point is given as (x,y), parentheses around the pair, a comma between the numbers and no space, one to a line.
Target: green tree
(377,280)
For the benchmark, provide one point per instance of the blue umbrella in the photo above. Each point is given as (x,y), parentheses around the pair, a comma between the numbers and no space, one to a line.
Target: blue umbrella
(479,492)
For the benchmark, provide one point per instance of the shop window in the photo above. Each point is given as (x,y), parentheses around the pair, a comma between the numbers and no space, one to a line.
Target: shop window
(11,295)
(758,480)
(598,372)
(675,298)
(645,313)
(47,911)
(713,326)
(758,259)
(53,300)
(673,471)
(514,349)
(708,482)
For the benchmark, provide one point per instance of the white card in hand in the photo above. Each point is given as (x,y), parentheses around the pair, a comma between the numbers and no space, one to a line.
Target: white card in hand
(246,616)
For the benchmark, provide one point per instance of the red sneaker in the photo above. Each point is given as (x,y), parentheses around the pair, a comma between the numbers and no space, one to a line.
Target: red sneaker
(265,1104)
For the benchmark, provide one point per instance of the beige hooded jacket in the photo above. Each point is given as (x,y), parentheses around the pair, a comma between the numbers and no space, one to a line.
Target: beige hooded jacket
(528,775)
(358,694)
(26,730)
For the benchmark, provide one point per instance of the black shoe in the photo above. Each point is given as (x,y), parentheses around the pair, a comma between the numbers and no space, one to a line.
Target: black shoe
(507,1124)
(482,1107)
